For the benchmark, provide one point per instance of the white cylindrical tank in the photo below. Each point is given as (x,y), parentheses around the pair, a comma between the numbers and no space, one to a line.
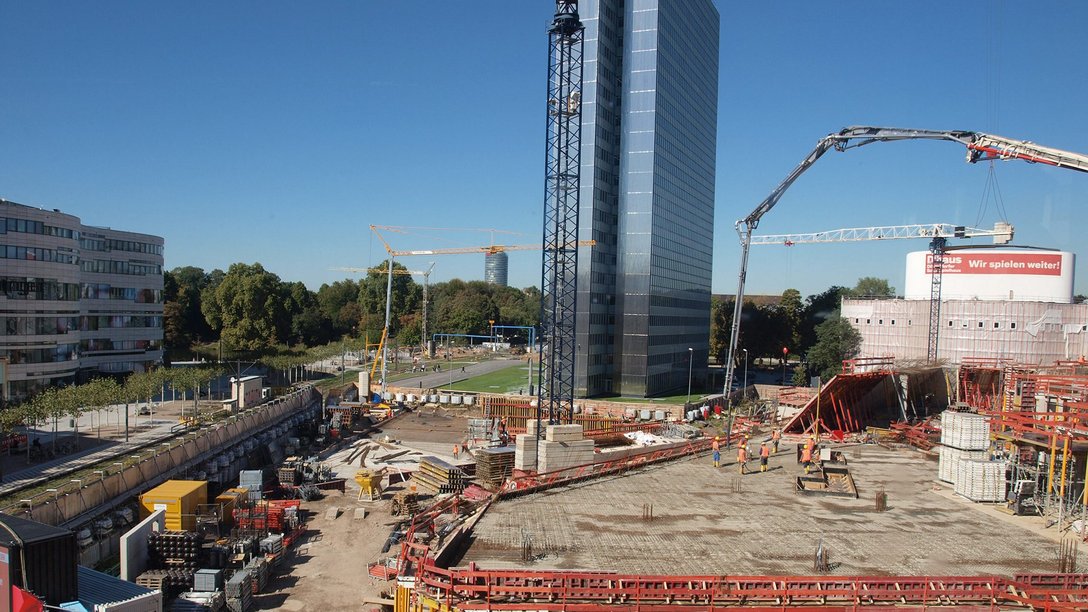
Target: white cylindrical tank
(1033,275)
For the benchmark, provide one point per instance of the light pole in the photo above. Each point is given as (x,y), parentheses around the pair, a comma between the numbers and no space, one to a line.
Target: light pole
(745,368)
(691,356)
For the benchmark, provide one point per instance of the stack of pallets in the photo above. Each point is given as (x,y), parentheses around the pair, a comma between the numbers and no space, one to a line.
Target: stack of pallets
(494,465)
(240,591)
(439,477)
(258,568)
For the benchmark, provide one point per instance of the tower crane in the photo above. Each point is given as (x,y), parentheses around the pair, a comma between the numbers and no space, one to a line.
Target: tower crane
(937,233)
(980,147)
(426,274)
(493,248)
(562,184)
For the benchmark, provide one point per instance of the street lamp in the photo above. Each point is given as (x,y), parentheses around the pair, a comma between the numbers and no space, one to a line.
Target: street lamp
(745,368)
(691,356)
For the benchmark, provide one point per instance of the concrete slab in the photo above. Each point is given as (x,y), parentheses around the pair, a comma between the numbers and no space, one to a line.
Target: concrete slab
(712,521)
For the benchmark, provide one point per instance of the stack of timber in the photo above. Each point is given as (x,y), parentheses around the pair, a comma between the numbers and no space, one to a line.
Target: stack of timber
(494,465)
(439,477)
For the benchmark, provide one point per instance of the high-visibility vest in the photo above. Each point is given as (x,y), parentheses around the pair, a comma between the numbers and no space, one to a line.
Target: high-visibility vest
(742,454)
(714,445)
(806,454)
(764,451)
(776,435)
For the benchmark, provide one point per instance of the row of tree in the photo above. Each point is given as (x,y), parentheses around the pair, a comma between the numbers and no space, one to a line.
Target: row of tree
(54,404)
(248,308)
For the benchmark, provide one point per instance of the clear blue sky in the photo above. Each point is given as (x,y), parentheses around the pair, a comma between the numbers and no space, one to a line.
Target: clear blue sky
(278,132)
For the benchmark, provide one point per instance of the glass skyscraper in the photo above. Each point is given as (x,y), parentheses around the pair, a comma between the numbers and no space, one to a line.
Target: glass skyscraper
(649,121)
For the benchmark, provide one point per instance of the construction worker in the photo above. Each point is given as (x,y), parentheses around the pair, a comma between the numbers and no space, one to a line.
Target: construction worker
(456,450)
(764,454)
(806,457)
(742,458)
(776,436)
(716,448)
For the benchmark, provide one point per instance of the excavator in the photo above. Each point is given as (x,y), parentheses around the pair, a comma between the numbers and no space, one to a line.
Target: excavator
(980,148)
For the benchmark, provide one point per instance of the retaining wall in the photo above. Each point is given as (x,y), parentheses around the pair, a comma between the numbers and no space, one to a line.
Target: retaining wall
(127,476)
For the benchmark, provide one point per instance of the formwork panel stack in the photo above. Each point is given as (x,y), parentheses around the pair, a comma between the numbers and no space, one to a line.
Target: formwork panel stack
(965,440)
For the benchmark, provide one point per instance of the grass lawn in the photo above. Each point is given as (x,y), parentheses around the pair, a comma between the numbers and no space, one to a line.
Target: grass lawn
(513,379)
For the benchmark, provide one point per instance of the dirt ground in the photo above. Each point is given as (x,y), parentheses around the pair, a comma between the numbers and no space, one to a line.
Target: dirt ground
(328,569)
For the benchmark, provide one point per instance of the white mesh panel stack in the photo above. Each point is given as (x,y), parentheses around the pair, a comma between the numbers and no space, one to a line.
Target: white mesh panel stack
(981,481)
(950,458)
(965,430)
(965,436)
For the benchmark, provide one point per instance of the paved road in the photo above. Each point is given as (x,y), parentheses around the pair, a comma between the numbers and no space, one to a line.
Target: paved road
(157,431)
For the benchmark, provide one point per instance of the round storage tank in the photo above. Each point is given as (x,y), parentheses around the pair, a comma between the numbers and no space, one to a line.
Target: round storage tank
(1007,274)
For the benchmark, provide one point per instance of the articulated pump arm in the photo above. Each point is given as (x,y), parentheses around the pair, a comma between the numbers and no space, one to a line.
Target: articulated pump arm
(980,147)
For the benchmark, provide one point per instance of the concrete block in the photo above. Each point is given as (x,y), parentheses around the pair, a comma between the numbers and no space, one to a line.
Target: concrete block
(563,433)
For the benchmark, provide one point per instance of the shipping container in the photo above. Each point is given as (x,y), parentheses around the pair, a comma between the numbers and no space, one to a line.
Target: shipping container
(179,498)
(49,554)
(229,500)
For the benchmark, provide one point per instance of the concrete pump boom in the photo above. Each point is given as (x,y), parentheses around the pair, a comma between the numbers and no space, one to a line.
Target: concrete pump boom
(980,147)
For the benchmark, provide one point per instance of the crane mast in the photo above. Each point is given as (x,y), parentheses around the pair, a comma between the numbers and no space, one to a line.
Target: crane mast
(559,266)
(980,147)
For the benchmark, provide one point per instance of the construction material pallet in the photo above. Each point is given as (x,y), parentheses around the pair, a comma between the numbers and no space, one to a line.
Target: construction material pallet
(494,465)
(438,476)
(166,580)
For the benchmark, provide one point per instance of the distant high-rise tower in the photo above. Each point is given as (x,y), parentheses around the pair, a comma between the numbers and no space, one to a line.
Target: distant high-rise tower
(649,121)
(495,268)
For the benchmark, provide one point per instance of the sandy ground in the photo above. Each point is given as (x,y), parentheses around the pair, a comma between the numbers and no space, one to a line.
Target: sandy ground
(328,570)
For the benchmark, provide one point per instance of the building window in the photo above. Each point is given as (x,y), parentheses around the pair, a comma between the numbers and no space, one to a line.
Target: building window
(880,321)
(868,321)
(996,325)
(893,320)
(980,324)
(1012,325)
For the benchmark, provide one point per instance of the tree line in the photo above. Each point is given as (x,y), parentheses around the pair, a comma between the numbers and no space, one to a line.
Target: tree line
(248,308)
(54,404)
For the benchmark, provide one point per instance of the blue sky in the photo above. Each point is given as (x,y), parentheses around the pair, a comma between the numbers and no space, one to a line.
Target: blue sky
(278,132)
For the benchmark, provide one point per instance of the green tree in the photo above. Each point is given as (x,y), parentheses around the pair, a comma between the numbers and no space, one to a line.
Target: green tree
(836,341)
(870,287)
(819,308)
(249,308)
(406,299)
(793,310)
(339,302)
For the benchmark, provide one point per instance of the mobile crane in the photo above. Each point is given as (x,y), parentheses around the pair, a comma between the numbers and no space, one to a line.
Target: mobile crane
(980,147)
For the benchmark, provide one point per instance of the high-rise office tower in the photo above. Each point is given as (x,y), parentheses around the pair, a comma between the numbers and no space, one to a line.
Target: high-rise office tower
(496,266)
(649,121)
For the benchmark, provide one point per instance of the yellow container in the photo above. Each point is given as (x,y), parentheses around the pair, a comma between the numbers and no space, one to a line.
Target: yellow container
(179,498)
(229,500)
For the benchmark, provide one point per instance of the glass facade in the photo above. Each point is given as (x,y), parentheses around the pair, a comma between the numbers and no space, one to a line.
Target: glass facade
(496,267)
(648,153)
(75,300)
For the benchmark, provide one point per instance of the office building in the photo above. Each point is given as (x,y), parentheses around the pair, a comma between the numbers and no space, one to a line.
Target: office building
(75,300)
(496,266)
(649,121)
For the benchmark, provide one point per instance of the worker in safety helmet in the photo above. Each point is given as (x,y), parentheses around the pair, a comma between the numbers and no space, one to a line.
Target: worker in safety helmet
(715,448)
(764,455)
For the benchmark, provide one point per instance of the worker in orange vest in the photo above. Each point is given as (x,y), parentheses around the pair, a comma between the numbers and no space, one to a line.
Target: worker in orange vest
(806,457)
(776,435)
(456,450)
(764,454)
(714,446)
(742,458)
